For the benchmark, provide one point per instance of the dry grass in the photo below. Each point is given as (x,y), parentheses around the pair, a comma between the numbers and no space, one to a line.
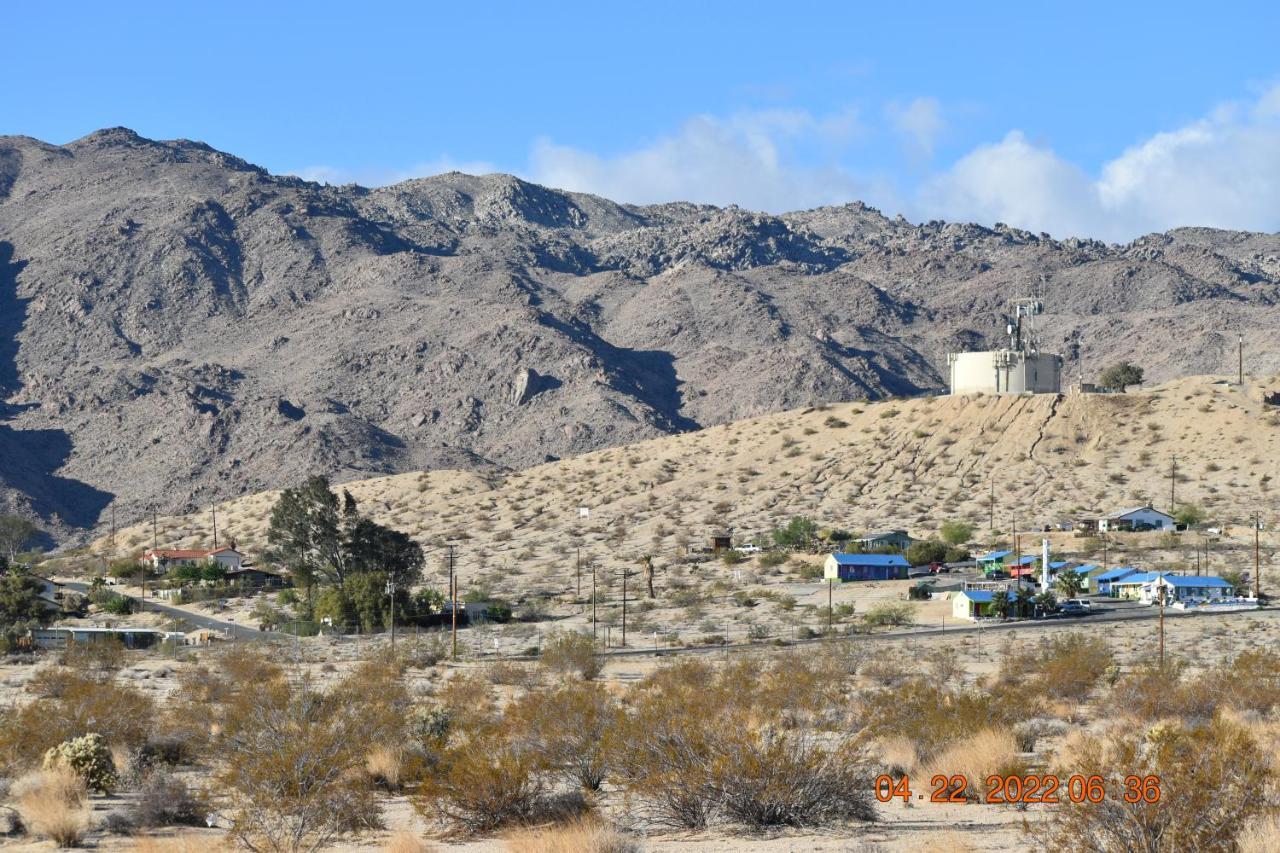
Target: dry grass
(406,842)
(54,804)
(984,753)
(383,766)
(580,836)
(897,754)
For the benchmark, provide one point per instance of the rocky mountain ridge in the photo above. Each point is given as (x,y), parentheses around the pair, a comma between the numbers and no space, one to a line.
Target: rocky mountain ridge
(179,326)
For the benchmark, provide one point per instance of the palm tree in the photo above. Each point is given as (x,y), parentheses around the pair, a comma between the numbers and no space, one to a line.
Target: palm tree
(1069,583)
(1000,602)
(1022,604)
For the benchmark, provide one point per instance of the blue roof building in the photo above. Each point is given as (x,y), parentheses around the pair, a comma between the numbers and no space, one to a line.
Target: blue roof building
(972,604)
(865,567)
(1110,576)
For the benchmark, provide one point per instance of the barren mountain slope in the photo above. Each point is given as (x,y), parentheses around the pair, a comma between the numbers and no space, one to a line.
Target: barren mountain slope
(178,326)
(902,463)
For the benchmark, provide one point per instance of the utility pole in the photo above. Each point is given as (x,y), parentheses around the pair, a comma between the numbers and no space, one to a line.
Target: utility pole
(595,634)
(625,572)
(453,597)
(579,571)
(1173,481)
(214,508)
(391,591)
(830,583)
(1241,359)
(155,531)
(1104,551)
(1160,587)
(1257,557)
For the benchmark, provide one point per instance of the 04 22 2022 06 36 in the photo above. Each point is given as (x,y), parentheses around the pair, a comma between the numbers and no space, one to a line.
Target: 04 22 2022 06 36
(1015,789)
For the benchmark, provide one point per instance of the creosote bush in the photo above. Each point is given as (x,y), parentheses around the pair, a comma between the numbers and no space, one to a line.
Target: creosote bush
(1213,779)
(571,652)
(293,757)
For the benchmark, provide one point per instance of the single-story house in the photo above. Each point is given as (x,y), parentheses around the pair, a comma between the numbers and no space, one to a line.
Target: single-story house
(899,539)
(1136,518)
(993,561)
(1086,573)
(720,542)
(255,577)
(1104,580)
(972,604)
(131,638)
(1130,586)
(1027,564)
(865,567)
(1188,588)
(162,559)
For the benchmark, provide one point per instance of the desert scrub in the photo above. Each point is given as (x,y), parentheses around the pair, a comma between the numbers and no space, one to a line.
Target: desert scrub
(1212,780)
(571,652)
(89,757)
(53,804)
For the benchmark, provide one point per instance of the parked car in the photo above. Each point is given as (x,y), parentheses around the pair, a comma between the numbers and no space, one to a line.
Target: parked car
(748,549)
(1083,602)
(1072,608)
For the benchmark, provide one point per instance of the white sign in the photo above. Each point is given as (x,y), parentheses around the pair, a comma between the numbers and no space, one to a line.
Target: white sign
(584,511)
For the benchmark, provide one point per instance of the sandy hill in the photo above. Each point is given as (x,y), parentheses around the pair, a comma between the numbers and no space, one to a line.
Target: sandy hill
(178,326)
(899,463)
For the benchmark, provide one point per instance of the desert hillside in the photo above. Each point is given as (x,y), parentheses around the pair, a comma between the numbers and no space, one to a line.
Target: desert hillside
(178,326)
(899,463)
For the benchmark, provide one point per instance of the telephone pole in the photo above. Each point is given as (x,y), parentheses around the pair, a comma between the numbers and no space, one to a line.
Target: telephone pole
(1241,359)
(391,591)
(453,598)
(1173,480)
(214,509)
(1161,589)
(830,583)
(578,571)
(625,572)
(1257,557)
(595,634)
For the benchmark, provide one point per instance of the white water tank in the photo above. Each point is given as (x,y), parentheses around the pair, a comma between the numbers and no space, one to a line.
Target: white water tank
(1005,371)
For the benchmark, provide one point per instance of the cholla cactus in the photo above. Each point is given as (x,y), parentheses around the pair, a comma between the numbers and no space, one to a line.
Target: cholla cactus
(89,757)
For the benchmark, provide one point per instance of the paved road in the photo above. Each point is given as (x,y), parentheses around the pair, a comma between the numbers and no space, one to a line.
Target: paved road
(234,630)
(1106,611)
(1111,612)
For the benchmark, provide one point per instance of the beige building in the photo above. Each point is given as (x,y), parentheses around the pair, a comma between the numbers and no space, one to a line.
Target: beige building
(1005,371)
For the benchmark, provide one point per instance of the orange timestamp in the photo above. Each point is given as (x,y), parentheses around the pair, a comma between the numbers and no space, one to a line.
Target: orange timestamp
(1012,789)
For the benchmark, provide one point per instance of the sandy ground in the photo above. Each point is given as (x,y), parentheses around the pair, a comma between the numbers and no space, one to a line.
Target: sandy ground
(1203,641)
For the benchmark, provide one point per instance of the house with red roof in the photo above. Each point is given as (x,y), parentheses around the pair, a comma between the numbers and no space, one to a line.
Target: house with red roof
(163,559)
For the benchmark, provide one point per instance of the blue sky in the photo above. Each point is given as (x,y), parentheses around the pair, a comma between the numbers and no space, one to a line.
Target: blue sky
(1104,120)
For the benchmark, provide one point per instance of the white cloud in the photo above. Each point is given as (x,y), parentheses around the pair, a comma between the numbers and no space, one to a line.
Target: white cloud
(919,123)
(1222,171)
(772,160)
(383,177)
